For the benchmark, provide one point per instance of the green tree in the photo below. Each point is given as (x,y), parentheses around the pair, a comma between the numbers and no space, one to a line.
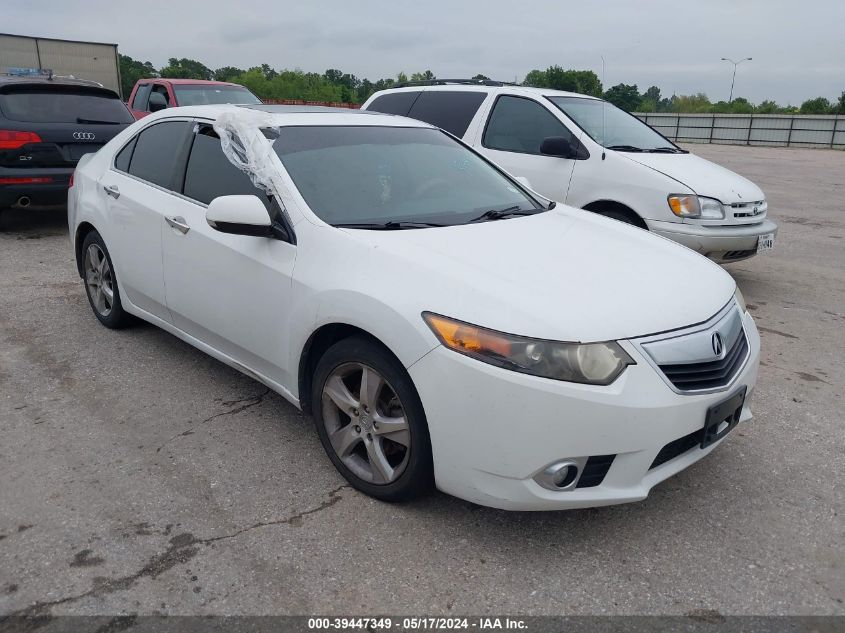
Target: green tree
(423,76)
(691,103)
(227,73)
(580,81)
(186,69)
(819,105)
(840,104)
(624,96)
(131,70)
(768,107)
(535,79)
(480,77)
(652,94)
(741,105)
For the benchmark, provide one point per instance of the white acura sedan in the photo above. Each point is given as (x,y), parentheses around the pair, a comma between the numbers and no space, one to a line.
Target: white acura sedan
(444,324)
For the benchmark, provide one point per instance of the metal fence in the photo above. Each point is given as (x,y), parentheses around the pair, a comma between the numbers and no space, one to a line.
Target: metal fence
(775,130)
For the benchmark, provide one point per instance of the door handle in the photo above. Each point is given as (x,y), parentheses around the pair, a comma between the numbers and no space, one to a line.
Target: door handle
(112,190)
(178,223)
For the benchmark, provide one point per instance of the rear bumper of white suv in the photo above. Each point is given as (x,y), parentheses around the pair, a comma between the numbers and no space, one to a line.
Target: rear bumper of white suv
(722,244)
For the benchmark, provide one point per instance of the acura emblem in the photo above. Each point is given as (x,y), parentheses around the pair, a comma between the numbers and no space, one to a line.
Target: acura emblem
(84,136)
(718,346)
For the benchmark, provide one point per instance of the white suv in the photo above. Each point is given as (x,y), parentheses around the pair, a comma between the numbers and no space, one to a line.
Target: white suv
(589,154)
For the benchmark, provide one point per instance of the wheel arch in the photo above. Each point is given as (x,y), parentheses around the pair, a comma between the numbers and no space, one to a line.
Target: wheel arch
(317,344)
(600,206)
(80,234)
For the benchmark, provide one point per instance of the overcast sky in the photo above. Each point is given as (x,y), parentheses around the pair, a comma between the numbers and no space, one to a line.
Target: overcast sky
(797,47)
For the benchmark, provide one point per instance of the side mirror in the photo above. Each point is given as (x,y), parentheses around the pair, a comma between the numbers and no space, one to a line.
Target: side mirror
(559,146)
(157,102)
(239,215)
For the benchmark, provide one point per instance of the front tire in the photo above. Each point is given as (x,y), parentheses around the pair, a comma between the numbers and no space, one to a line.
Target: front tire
(371,422)
(101,283)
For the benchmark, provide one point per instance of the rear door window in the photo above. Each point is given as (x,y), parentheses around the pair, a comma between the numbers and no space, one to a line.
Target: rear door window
(210,175)
(450,110)
(519,125)
(159,151)
(394,103)
(65,105)
(142,96)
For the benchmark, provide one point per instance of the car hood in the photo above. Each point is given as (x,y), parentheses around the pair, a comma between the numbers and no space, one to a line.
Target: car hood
(564,275)
(703,177)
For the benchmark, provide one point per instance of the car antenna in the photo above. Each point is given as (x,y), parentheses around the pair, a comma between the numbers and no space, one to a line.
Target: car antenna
(603,104)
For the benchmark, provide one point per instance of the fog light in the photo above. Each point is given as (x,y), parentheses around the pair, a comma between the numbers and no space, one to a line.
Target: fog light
(560,475)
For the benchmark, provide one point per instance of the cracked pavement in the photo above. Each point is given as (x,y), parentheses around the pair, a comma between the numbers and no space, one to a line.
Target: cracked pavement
(139,476)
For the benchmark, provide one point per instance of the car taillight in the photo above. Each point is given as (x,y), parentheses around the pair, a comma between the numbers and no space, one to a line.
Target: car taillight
(35,180)
(13,139)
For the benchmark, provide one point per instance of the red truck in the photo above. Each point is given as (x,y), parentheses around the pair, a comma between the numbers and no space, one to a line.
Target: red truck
(152,95)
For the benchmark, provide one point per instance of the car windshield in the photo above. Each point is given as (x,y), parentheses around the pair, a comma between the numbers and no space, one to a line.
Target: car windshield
(209,95)
(609,126)
(65,106)
(369,175)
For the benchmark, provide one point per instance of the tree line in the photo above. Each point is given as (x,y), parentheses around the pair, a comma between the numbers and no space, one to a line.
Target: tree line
(337,86)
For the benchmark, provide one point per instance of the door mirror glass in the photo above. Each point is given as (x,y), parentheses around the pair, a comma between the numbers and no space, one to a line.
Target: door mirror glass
(239,215)
(558,146)
(157,102)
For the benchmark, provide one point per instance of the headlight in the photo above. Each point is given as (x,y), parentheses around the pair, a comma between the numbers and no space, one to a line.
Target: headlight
(589,363)
(740,300)
(685,206)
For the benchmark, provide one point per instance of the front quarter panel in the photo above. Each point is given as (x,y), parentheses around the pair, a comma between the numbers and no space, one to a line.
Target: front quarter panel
(618,179)
(338,281)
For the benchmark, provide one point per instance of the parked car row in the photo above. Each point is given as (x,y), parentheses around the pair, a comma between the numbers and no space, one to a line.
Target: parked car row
(443,322)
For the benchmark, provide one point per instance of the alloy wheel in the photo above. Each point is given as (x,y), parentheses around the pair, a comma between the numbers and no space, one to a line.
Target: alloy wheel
(99,280)
(366,423)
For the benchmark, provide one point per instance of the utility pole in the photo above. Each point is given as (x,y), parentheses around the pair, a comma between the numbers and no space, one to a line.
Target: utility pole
(725,59)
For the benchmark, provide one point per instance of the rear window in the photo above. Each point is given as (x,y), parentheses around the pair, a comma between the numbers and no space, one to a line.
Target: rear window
(394,103)
(66,106)
(451,111)
(209,95)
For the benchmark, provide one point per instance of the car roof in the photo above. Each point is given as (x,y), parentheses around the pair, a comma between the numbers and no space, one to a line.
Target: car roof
(504,89)
(200,82)
(65,81)
(281,115)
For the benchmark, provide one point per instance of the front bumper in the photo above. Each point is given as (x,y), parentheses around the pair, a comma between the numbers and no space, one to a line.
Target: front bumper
(492,430)
(727,243)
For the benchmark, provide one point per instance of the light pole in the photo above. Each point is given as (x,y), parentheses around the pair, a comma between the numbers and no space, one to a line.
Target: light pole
(725,59)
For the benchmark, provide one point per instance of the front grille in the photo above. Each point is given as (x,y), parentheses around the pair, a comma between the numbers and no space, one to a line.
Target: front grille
(594,470)
(677,447)
(711,374)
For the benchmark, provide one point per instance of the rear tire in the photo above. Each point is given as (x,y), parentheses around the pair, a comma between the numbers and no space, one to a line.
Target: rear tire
(377,439)
(101,283)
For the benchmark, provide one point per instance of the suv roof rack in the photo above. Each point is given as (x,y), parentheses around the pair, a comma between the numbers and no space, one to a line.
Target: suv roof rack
(463,82)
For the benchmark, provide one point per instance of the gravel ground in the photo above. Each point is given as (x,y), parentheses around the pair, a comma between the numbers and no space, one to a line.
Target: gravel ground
(141,476)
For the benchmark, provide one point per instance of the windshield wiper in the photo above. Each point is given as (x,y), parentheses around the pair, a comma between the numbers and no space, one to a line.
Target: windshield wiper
(498,214)
(390,225)
(666,150)
(625,148)
(80,119)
